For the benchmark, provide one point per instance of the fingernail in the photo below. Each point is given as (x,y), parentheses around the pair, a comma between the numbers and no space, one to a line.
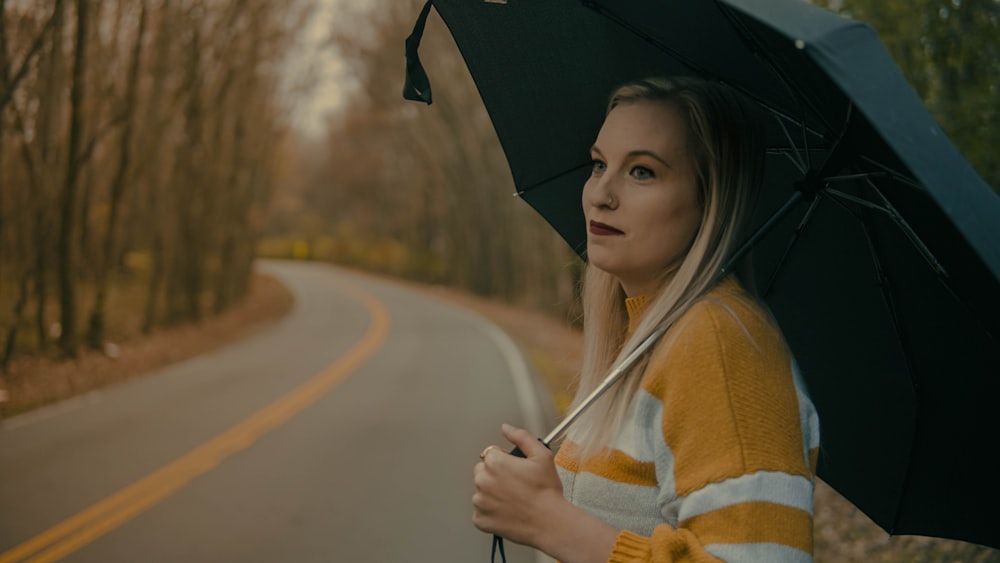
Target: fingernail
(506,428)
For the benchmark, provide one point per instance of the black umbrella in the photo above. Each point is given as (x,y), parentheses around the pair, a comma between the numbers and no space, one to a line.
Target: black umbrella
(882,255)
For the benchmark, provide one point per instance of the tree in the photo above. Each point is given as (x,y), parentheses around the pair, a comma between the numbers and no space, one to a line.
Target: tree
(67,225)
(164,149)
(95,334)
(949,50)
(432,179)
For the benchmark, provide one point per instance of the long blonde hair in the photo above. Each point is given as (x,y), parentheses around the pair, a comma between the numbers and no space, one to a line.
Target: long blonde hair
(725,142)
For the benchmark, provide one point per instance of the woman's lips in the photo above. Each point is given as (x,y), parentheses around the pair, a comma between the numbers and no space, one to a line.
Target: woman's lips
(601,229)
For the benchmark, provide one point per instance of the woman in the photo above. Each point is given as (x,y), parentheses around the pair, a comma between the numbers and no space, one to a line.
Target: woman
(705,450)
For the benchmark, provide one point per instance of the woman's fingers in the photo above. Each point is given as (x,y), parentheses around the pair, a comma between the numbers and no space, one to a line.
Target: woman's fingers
(510,490)
(486,501)
(525,441)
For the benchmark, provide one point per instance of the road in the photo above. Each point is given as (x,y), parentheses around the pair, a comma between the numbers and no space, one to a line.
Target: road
(347,431)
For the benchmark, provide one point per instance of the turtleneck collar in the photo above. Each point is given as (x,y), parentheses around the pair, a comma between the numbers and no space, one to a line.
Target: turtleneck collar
(636,306)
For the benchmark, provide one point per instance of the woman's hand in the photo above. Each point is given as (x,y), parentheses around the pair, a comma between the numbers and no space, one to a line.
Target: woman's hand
(521,499)
(516,497)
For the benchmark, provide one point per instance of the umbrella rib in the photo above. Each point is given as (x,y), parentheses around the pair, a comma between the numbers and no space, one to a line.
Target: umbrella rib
(779,113)
(607,13)
(782,76)
(791,244)
(897,219)
(604,11)
(859,176)
(805,146)
(893,174)
(890,304)
(798,161)
(943,275)
(908,231)
(540,183)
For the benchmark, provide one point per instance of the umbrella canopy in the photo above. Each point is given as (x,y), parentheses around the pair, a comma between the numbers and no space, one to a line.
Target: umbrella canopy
(882,268)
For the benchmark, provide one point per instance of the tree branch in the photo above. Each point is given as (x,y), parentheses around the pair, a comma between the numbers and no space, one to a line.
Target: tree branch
(22,71)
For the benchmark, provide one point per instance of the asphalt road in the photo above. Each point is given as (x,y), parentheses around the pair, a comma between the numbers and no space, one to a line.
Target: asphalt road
(345,432)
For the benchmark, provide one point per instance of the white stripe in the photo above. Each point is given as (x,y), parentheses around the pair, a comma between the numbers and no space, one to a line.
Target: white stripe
(623,505)
(642,428)
(767,486)
(808,417)
(756,552)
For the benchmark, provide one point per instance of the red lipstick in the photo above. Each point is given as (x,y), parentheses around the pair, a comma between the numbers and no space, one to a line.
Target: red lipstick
(597,228)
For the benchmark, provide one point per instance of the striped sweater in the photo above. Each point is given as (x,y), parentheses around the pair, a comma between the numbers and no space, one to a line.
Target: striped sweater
(716,458)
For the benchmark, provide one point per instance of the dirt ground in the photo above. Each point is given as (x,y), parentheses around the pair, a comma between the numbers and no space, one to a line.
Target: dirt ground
(552,348)
(33,382)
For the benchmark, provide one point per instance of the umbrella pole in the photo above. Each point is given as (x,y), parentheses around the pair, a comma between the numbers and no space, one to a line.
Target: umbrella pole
(734,260)
(610,380)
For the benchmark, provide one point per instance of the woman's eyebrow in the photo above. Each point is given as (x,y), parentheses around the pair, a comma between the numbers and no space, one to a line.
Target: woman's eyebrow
(651,154)
(633,154)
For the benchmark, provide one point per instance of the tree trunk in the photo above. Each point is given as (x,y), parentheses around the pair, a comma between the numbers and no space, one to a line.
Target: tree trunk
(95,334)
(15,323)
(49,121)
(65,253)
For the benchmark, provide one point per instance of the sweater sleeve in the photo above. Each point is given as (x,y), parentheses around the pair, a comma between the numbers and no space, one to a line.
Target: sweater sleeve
(734,482)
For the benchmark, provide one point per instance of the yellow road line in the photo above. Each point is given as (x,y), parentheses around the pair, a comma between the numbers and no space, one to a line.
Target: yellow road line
(102,517)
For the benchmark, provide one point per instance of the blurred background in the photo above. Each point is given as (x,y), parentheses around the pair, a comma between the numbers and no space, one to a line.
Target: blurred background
(151,149)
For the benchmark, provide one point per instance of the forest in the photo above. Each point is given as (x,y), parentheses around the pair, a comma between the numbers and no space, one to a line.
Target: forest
(136,136)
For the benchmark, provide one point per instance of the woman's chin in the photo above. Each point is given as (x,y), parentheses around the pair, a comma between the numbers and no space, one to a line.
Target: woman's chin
(600,261)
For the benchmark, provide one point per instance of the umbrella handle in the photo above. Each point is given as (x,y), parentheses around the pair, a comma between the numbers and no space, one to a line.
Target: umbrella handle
(497,540)
(516,452)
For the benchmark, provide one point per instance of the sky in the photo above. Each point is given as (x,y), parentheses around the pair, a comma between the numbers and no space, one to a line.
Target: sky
(319,68)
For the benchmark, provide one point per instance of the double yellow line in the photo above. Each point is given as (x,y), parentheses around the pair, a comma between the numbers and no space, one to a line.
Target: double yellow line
(102,517)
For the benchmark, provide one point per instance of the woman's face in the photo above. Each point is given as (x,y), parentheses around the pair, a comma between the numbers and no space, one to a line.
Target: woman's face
(641,201)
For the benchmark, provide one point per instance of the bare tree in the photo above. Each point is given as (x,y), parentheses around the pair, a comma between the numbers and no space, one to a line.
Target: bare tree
(11,81)
(433,178)
(67,226)
(95,335)
(139,129)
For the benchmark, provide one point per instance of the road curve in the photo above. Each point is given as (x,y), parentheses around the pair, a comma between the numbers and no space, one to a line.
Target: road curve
(347,431)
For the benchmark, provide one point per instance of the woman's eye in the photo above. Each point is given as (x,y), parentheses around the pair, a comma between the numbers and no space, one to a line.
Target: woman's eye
(596,166)
(641,173)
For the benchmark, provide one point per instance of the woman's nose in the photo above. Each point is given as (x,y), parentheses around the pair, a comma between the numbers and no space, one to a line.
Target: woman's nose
(600,191)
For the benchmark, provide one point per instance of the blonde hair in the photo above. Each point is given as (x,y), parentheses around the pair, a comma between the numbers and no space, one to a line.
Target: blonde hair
(724,140)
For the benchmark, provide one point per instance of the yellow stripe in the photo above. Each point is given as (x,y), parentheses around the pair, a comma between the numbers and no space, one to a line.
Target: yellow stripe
(102,517)
(611,464)
(568,456)
(729,400)
(754,522)
(622,468)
